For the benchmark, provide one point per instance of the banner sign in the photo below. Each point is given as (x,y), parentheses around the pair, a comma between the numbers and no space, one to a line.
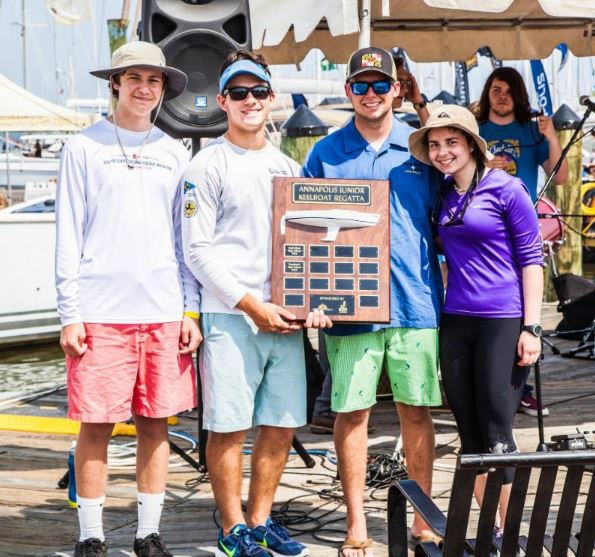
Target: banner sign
(541,87)
(461,83)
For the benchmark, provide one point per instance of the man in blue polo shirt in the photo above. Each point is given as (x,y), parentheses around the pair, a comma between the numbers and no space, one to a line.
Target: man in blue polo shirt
(373,145)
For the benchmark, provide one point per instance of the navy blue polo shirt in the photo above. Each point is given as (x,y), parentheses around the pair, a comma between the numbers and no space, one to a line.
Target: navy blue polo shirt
(416,283)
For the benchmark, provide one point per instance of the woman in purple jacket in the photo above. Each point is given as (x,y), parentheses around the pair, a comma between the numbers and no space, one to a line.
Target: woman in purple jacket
(489,332)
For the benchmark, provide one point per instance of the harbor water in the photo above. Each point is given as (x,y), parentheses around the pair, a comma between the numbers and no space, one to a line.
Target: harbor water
(35,368)
(25,370)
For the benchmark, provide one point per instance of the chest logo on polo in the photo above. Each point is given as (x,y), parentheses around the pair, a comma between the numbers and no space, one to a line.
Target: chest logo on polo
(190,209)
(277,172)
(412,168)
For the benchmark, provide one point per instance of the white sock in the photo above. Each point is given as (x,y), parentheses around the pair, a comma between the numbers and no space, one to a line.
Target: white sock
(150,506)
(90,517)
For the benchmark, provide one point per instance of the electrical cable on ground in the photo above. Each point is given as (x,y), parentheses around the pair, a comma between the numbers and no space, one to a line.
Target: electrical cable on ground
(383,468)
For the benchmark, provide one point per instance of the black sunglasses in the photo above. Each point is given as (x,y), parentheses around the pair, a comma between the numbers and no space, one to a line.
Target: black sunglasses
(405,82)
(259,92)
(361,87)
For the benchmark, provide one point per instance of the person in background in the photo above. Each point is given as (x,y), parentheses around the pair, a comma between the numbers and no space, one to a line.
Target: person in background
(127,302)
(409,91)
(589,173)
(520,145)
(489,331)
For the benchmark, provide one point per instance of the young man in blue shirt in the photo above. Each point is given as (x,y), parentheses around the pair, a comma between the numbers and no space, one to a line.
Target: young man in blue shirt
(519,145)
(373,145)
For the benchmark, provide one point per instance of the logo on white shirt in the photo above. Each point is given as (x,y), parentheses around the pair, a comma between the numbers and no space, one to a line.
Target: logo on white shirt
(188,186)
(278,172)
(190,209)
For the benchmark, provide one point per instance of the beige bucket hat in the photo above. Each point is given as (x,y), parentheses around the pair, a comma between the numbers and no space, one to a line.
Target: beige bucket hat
(447,116)
(141,54)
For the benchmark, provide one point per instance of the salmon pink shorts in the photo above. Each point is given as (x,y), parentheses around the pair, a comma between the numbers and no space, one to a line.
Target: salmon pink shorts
(130,370)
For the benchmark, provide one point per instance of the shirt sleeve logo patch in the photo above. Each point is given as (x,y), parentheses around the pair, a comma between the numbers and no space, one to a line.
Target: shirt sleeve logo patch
(190,209)
(188,186)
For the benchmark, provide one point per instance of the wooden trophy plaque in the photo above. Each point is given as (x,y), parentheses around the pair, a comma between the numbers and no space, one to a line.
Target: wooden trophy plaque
(331,248)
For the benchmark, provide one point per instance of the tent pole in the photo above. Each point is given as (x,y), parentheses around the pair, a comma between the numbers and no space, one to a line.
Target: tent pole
(365,18)
(8,185)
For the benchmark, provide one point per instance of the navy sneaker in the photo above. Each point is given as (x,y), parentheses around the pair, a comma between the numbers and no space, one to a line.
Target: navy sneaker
(238,543)
(276,540)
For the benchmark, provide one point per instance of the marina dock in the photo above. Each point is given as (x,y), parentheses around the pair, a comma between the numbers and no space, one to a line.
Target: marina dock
(35,518)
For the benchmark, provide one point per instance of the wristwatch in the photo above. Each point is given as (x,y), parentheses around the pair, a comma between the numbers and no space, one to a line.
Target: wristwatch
(535,330)
(419,106)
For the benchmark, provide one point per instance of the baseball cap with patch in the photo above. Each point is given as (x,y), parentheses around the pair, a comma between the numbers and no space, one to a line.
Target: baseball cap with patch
(371,59)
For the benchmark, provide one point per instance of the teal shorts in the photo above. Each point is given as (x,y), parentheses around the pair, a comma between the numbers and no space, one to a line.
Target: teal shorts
(250,378)
(409,355)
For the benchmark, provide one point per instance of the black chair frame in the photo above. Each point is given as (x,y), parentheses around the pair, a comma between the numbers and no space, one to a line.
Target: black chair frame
(452,527)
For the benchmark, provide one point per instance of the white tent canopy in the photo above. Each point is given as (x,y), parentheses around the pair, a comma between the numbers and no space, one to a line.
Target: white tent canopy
(429,30)
(22,111)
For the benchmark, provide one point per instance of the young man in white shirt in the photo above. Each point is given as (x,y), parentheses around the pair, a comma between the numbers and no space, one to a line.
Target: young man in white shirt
(128,304)
(252,359)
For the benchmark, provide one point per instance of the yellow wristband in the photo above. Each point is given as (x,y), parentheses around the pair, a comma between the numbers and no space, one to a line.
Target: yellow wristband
(191,314)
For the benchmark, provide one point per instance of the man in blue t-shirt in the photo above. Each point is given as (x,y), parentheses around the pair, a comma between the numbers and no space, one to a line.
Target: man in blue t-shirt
(519,145)
(373,145)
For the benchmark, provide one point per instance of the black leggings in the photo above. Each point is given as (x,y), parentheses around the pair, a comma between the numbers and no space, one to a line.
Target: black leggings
(482,383)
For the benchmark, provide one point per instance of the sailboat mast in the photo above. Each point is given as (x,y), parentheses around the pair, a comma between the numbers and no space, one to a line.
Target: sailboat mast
(24,36)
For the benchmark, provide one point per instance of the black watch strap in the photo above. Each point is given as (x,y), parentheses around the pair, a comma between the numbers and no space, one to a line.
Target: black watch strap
(535,330)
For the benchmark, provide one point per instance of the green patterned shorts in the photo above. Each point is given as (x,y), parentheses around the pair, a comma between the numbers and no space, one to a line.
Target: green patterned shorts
(411,363)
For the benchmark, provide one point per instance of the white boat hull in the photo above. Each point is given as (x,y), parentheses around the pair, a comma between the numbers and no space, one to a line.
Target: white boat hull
(27,292)
(23,170)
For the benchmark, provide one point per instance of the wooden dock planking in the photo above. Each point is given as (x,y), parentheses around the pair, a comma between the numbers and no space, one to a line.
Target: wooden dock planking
(35,519)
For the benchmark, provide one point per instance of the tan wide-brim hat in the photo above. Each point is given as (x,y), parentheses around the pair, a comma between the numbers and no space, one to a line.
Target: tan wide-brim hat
(447,116)
(141,54)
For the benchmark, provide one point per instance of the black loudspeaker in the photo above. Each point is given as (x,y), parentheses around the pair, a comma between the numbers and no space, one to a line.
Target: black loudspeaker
(577,302)
(196,36)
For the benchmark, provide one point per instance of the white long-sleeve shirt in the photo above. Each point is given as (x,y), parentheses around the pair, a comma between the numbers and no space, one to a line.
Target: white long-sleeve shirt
(119,255)
(226,222)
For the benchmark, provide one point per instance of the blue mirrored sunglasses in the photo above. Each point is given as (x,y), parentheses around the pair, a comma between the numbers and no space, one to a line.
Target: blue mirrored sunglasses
(361,87)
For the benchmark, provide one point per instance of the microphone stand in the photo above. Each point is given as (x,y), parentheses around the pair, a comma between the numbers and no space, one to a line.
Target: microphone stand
(563,154)
(542,446)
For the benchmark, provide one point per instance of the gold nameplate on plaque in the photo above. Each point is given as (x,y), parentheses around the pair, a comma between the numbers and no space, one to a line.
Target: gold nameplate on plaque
(331,248)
